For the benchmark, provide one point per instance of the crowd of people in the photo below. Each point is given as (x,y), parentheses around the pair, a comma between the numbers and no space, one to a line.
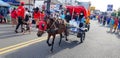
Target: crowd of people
(21,16)
(111,21)
(4,11)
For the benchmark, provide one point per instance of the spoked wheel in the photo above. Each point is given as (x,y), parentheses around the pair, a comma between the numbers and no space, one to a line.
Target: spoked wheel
(88,27)
(82,38)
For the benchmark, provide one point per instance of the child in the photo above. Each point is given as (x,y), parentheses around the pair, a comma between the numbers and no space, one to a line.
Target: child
(111,24)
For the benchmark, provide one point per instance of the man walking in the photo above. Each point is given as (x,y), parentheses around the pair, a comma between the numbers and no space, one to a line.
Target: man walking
(21,15)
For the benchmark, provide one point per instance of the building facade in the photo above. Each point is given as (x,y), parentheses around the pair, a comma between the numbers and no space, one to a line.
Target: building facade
(68,2)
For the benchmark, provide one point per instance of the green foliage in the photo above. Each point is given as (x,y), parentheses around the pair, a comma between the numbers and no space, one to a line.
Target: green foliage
(118,13)
(113,14)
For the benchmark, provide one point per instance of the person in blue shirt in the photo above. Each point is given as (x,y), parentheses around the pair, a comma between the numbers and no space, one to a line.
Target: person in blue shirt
(81,20)
(118,26)
(62,16)
(111,24)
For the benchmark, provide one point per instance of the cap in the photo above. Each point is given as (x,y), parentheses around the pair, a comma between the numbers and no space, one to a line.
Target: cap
(22,3)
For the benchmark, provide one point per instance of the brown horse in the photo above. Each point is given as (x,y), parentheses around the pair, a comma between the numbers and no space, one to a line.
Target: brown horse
(54,26)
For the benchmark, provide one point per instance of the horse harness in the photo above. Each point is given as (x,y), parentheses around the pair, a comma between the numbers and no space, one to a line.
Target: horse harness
(50,30)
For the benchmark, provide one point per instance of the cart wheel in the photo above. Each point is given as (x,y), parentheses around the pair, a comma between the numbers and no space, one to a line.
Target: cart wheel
(82,38)
(88,27)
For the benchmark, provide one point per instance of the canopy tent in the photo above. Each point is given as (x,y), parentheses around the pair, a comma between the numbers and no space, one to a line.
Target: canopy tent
(4,4)
(77,9)
(12,2)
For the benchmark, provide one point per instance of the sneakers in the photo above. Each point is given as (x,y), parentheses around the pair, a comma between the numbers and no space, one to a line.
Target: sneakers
(16,31)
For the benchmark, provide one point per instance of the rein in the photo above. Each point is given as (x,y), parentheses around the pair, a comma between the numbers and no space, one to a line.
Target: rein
(53,24)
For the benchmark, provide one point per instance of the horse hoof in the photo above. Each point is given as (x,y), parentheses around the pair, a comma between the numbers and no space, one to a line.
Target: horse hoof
(66,39)
(49,44)
(81,42)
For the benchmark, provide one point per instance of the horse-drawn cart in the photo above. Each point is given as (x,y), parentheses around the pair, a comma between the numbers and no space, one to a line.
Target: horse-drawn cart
(76,27)
(54,26)
(76,30)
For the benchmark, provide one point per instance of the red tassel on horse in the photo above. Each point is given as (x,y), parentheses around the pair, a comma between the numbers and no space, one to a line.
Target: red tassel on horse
(42,25)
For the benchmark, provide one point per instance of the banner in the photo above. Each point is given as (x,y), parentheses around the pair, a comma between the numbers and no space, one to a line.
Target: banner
(110,7)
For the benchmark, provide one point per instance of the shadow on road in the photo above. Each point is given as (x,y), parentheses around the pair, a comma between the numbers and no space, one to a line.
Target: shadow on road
(110,32)
(118,36)
(41,50)
(66,45)
(113,33)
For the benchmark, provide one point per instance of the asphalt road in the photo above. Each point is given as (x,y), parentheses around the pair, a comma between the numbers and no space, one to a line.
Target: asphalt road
(8,37)
(99,43)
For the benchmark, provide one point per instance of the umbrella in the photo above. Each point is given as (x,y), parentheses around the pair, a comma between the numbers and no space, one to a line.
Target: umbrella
(4,3)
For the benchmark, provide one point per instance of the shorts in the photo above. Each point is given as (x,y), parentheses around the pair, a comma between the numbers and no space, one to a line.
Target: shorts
(119,27)
(115,26)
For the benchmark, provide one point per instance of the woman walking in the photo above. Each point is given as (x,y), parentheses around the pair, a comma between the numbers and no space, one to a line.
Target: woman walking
(36,16)
(21,16)
(14,17)
(111,24)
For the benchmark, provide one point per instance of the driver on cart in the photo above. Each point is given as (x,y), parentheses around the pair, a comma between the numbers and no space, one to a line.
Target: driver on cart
(81,20)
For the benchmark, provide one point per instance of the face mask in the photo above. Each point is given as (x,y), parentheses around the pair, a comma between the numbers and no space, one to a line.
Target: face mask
(68,14)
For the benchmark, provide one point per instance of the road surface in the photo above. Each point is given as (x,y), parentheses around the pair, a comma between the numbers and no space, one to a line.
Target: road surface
(99,43)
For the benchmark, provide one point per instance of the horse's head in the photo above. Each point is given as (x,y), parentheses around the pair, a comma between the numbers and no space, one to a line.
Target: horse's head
(44,25)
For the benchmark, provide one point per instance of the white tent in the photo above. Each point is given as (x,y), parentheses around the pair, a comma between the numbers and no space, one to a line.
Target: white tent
(4,3)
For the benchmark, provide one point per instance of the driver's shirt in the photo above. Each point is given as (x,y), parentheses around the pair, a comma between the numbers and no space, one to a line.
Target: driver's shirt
(87,20)
(82,20)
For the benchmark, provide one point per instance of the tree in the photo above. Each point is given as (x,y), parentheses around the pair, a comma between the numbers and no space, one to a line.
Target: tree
(119,12)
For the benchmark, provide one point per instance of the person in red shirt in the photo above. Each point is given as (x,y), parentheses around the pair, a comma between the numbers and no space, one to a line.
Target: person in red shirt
(21,16)
(1,18)
(115,24)
(42,16)
(14,17)
(36,16)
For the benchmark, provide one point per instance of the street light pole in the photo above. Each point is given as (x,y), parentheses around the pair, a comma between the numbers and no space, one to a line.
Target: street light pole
(48,7)
(29,4)
(34,1)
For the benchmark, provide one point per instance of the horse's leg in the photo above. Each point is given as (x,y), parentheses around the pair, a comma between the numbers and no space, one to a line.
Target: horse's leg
(60,39)
(53,43)
(66,34)
(48,40)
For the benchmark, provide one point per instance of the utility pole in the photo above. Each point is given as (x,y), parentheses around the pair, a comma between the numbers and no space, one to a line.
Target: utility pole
(48,7)
(29,4)
(34,1)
